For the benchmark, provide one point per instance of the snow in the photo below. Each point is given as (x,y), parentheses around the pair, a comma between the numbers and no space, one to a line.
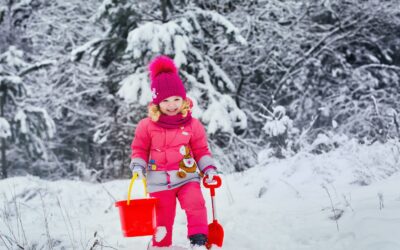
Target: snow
(76,52)
(365,77)
(48,121)
(16,80)
(199,248)
(99,137)
(181,44)
(13,57)
(277,123)
(221,74)
(22,119)
(173,37)
(223,114)
(132,86)
(279,204)
(106,4)
(161,232)
(217,118)
(157,37)
(168,248)
(5,129)
(222,21)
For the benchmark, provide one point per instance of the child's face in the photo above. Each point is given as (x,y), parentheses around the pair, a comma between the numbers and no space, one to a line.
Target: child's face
(171,105)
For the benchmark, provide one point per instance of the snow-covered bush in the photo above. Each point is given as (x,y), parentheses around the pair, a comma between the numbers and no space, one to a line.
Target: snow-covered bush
(279,130)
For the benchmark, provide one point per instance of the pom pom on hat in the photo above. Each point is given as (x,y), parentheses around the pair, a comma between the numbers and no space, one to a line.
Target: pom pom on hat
(165,80)
(162,64)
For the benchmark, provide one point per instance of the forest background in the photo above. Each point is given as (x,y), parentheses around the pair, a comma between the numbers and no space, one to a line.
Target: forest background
(270,78)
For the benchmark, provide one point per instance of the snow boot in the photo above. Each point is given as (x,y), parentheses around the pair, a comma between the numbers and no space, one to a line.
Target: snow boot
(198,241)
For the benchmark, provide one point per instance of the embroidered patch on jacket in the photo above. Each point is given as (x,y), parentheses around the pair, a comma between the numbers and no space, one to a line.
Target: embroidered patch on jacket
(187,164)
(152,164)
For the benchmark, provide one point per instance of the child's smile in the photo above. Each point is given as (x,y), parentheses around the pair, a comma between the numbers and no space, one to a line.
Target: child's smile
(171,105)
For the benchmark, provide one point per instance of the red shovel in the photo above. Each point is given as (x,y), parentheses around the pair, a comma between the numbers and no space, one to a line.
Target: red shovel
(215,230)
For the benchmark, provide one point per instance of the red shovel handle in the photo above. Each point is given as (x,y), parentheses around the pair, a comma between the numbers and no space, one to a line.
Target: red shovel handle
(215,230)
(213,185)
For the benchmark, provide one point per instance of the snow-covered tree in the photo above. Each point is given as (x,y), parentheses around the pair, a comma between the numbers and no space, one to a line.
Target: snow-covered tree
(186,33)
(14,15)
(76,95)
(333,66)
(351,70)
(23,125)
(308,57)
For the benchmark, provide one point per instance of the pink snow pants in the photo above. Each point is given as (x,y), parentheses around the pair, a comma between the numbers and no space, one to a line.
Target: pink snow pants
(191,200)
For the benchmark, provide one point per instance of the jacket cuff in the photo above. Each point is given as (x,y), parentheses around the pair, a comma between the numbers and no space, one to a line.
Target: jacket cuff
(137,162)
(204,162)
(208,168)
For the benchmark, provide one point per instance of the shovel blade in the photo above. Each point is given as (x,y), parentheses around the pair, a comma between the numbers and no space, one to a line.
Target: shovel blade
(215,234)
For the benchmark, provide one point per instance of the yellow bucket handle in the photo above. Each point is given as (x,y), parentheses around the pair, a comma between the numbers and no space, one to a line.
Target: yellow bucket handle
(134,177)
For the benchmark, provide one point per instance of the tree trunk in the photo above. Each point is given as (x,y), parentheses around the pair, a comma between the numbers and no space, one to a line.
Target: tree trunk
(3,159)
(3,140)
(164,10)
(166,4)
(239,89)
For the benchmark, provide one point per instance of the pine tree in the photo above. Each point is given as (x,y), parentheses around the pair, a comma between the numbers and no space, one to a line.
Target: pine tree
(23,125)
(76,94)
(184,32)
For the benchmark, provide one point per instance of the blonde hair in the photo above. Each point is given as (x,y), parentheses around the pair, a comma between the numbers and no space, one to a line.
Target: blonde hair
(155,112)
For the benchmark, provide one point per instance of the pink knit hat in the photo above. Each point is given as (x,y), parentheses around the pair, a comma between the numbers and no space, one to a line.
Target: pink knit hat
(165,81)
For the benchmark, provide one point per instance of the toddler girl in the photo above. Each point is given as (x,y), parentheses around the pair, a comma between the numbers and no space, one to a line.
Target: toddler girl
(170,147)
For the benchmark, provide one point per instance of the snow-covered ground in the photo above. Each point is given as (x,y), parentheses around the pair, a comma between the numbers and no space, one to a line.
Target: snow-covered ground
(280,204)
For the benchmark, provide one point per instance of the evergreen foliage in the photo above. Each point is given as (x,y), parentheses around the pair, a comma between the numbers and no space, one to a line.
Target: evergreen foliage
(276,76)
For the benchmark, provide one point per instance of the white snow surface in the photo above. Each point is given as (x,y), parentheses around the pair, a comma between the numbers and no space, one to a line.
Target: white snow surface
(280,204)
(160,234)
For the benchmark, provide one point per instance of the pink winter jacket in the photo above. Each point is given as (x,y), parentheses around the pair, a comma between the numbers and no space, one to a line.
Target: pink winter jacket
(154,145)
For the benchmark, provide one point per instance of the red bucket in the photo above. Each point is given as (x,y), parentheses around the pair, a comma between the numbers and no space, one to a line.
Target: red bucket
(137,216)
